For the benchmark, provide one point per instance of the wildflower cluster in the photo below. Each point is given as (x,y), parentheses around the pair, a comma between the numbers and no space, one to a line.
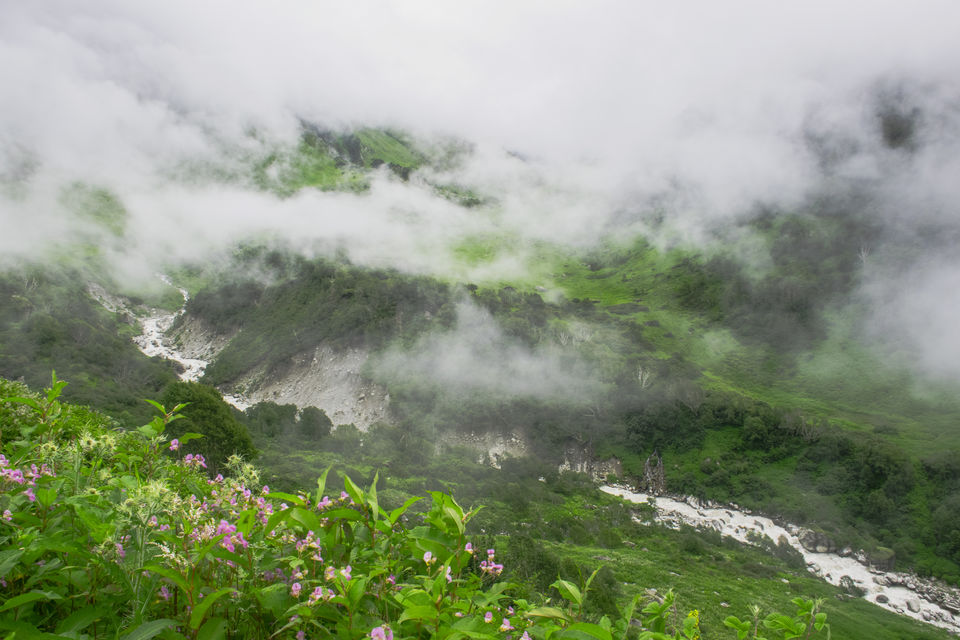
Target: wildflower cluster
(490,565)
(159,549)
(195,460)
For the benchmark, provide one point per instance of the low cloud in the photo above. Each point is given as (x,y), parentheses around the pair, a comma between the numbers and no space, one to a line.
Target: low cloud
(476,357)
(585,120)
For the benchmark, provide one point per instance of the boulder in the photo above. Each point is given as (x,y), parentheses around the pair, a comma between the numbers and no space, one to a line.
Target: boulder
(849,585)
(913,605)
(882,599)
(882,558)
(816,541)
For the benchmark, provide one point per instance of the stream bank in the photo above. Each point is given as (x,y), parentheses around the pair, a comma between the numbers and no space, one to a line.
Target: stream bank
(903,593)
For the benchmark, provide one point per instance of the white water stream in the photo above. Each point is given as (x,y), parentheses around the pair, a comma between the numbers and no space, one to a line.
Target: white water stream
(902,593)
(153,341)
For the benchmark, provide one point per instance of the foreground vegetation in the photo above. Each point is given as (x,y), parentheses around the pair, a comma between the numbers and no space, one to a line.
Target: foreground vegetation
(108,532)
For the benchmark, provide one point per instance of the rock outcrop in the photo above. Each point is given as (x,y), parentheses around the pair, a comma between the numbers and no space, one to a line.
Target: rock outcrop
(579,457)
(328,379)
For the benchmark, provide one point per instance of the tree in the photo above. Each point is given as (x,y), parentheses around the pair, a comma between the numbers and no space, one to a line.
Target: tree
(314,423)
(209,415)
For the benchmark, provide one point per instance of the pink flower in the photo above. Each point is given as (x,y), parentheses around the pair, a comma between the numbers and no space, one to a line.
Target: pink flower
(295,589)
(120,551)
(468,548)
(329,572)
(301,634)
(449,576)
(381,633)
(505,625)
(488,617)
(7,515)
(428,558)
(174,444)
(30,495)
(345,572)
(164,592)
(525,636)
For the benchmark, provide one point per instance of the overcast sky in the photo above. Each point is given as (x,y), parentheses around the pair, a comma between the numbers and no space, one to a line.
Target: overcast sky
(703,108)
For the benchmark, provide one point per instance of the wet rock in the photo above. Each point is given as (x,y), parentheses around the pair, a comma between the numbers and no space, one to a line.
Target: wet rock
(816,541)
(951,604)
(883,558)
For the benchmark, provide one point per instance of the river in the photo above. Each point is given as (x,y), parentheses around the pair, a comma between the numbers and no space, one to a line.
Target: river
(153,340)
(902,593)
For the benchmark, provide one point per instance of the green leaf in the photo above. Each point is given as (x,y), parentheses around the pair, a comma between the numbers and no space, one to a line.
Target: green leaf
(8,560)
(784,623)
(150,629)
(548,612)
(819,621)
(590,579)
(399,511)
(306,518)
(30,596)
(246,521)
(568,590)
(196,616)
(355,492)
(355,592)
(276,519)
(30,402)
(273,598)
(46,497)
(584,631)
(451,513)
(321,484)
(156,405)
(80,619)
(151,430)
(25,630)
(419,613)
(213,629)
(343,513)
(742,626)
(289,497)
(372,497)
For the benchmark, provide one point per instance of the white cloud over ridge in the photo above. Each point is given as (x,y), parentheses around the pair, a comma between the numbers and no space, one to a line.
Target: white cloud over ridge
(704,109)
(116,86)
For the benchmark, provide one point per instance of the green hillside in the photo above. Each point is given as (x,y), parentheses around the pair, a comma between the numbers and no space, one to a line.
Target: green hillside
(120,532)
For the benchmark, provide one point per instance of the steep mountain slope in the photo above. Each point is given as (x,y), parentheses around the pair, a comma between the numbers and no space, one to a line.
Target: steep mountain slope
(739,359)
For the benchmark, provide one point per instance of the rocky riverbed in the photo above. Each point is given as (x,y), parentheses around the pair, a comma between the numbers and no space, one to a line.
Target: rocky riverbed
(902,593)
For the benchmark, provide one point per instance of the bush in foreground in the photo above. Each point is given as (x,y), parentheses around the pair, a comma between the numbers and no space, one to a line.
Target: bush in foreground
(108,533)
